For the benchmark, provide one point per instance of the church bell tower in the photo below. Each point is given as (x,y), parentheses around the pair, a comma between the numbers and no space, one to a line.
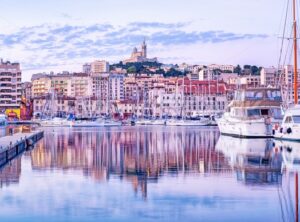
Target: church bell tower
(144,49)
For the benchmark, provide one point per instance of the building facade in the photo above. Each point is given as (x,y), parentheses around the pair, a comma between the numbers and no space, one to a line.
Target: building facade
(10,85)
(99,66)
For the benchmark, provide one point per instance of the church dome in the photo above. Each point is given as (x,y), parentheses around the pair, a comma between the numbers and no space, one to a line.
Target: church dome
(134,50)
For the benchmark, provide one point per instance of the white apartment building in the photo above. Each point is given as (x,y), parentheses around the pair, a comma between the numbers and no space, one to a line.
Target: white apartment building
(116,87)
(100,66)
(249,81)
(10,85)
(269,76)
(206,74)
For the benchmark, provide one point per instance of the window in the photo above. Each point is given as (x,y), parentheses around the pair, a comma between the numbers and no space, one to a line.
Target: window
(264,112)
(296,119)
(253,112)
(288,119)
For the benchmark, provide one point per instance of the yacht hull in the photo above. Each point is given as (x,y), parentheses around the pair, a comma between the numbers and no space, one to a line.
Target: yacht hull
(294,135)
(245,129)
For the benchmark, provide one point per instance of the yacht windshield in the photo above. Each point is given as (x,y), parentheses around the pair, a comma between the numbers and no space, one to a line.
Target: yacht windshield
(274,95)
(296,119)
(253,112)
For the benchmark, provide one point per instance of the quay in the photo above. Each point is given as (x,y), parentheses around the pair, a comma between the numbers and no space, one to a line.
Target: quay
(13,145)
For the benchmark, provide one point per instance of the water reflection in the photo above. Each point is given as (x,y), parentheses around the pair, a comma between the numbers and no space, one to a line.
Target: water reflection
(254,160)
(139,156)
(10,174)
(147,174)
(290,154)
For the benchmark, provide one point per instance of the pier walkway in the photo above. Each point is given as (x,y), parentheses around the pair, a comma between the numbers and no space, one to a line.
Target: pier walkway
(11,146)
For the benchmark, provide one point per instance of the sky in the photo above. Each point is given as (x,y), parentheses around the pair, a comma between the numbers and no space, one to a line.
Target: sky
(61,35)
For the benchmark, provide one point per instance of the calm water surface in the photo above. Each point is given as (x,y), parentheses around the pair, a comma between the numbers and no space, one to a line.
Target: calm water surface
(149,174)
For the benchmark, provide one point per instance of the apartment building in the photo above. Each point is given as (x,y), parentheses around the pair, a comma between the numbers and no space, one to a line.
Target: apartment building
(269,76)
(99,66)
(10,85)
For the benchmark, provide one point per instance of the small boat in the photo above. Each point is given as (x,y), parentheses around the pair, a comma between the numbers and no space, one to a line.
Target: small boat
(184,122)
(56,121)
(290,126)
(143,122)
(97,123)
(157,122)
(252,113)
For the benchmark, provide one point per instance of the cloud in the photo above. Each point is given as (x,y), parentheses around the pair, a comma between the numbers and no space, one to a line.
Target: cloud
(59,44)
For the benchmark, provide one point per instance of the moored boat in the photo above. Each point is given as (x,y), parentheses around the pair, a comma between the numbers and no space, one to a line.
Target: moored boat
(290,126)
(56,121)
(100,122)
(252,113)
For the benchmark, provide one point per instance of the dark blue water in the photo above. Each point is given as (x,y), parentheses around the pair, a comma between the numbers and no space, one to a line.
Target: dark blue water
(149,174)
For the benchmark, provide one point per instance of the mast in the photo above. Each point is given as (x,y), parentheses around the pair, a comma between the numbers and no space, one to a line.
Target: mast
(295,55)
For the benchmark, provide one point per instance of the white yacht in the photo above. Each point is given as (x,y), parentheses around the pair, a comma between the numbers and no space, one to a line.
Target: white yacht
(290,126)
(185,122)
(157,122)
(56,121)
(143,122)
(252,113)
(100,122)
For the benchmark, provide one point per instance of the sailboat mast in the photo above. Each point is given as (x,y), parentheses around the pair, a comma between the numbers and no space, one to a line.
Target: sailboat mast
(295,55)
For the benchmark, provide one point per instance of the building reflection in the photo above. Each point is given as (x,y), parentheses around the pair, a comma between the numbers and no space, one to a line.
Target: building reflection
(10,174)
(138,155)
(254,160)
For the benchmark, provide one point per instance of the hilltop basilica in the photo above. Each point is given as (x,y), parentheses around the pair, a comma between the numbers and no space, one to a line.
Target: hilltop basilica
(140,56)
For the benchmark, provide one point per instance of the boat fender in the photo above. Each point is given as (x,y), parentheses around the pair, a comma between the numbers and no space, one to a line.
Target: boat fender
(289,149)
(289,130)
(281,130)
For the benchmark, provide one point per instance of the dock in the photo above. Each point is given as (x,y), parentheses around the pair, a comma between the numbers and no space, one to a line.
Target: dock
(13,145)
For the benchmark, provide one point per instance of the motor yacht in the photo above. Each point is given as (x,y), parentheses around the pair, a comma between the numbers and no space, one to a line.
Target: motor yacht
(252,113)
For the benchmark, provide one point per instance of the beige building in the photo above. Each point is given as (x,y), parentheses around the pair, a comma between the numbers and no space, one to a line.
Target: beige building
(72,85)
(10,85)
(99,66)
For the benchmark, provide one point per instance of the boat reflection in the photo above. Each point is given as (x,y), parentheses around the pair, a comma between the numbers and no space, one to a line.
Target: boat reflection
(254,160)
(290,154)
(138,156)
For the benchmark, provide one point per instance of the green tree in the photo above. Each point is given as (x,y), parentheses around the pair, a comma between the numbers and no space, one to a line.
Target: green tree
(237,69)
(254,70)
(131,69)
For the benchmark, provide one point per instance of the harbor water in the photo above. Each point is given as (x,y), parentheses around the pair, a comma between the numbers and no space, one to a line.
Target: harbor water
(150,173)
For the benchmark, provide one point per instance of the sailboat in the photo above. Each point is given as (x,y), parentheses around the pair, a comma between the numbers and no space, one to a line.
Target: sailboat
(290,126)
(183,121)
(49,119)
